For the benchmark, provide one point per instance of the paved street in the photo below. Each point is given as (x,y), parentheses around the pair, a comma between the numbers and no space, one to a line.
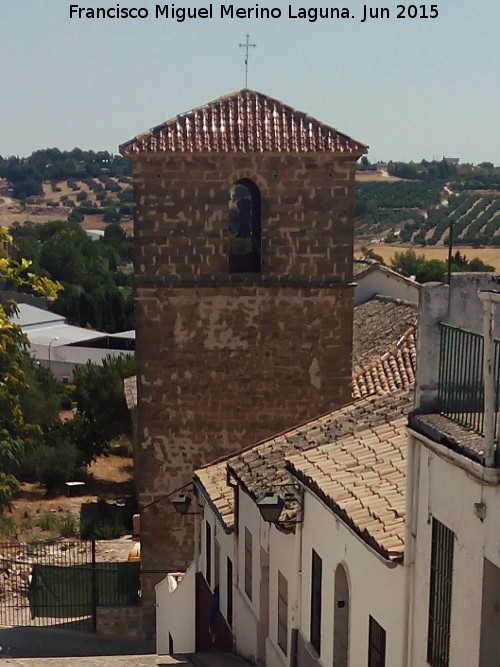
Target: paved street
(50,647)
(96,661)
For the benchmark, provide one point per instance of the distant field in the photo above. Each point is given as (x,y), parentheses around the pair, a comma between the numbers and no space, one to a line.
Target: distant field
(488,255)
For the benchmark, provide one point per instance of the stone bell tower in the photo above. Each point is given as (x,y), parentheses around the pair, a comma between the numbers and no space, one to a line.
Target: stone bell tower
(244,243)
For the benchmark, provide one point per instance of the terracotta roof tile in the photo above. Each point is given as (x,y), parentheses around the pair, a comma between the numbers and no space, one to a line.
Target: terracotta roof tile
(344,425)
(394,370)
(244,121)
(375,512)
(378,326)
(362,266)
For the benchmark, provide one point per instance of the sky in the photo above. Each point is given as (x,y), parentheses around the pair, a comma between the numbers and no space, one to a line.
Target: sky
(410,88)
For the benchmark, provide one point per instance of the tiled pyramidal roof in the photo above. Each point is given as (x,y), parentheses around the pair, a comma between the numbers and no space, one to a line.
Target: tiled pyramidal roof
(244,121)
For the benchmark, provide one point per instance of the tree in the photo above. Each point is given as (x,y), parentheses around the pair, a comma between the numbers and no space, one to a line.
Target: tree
(477,264)
(16,434)
(406,262)
(26,188)
(100,396)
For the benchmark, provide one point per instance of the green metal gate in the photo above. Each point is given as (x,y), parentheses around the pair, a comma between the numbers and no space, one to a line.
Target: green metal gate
(59,583)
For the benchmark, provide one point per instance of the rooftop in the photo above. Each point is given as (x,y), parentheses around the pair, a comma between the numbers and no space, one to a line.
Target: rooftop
(363,266)
(244,121)
(394,370)
(59,334)
(31,316)
(452,433)
(362,478)
(261,466)
(378,325)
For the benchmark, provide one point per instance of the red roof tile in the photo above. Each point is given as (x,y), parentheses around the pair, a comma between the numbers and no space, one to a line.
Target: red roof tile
(243,122)
(360,481)
(392,371)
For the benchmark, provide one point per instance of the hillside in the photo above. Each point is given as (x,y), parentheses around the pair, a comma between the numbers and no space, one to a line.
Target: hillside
(420,210)
(90,188)
(405,203)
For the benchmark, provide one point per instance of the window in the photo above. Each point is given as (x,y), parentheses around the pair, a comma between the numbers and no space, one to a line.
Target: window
(208,553)
(229,588)
(376,644)
(341,618)
(216,564)
(282,613)
(244,228)
(316,576)
(248,563)
(438,636)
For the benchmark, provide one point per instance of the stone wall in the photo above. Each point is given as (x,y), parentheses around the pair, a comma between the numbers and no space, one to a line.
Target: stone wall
(224,360)
(120,622)
(182,215)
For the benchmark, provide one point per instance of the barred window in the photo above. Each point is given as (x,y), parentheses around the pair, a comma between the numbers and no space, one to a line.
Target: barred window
(282,613)
(216,564)
(248,563)
(438,636)
(376,644)
(208,553)
(229,591)
(316,583)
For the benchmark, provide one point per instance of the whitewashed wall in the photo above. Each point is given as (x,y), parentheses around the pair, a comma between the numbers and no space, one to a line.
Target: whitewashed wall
(284,556)
(448,492)
(226,544)
(376,589)
(176,614)
(379,281)
(247,611)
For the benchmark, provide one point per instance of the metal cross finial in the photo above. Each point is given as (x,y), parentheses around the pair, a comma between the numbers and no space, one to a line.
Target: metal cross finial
(246,46)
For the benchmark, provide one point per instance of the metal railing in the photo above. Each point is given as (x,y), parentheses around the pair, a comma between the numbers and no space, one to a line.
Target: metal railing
(461,380)
(60,582)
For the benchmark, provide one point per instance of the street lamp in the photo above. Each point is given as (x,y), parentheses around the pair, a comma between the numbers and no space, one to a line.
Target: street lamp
(52,341)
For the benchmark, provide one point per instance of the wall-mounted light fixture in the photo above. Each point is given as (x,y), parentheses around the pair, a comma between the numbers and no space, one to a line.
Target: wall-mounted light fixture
(271,505)
(181,503)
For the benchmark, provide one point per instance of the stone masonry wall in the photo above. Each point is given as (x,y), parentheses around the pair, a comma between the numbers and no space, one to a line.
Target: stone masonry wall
(182,215)
(118,622)
(224,360)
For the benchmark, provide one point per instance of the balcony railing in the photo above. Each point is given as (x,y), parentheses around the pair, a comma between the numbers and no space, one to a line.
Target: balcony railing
(461,380)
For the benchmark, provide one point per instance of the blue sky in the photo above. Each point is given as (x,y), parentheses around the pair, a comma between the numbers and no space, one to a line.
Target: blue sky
(410,88)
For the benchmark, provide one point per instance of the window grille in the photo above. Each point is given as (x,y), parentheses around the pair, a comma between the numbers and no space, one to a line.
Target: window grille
(282,613)
(208,552)
(248,563)
(376,644)
(316,577)
(229,589)
(438,636)
(216,563)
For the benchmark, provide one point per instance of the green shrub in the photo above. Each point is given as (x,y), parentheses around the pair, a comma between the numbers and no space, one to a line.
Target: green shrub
(48,522)
(108,529)
(55,464)
(122,447)
(69,526)
(8,528)
(8,487)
